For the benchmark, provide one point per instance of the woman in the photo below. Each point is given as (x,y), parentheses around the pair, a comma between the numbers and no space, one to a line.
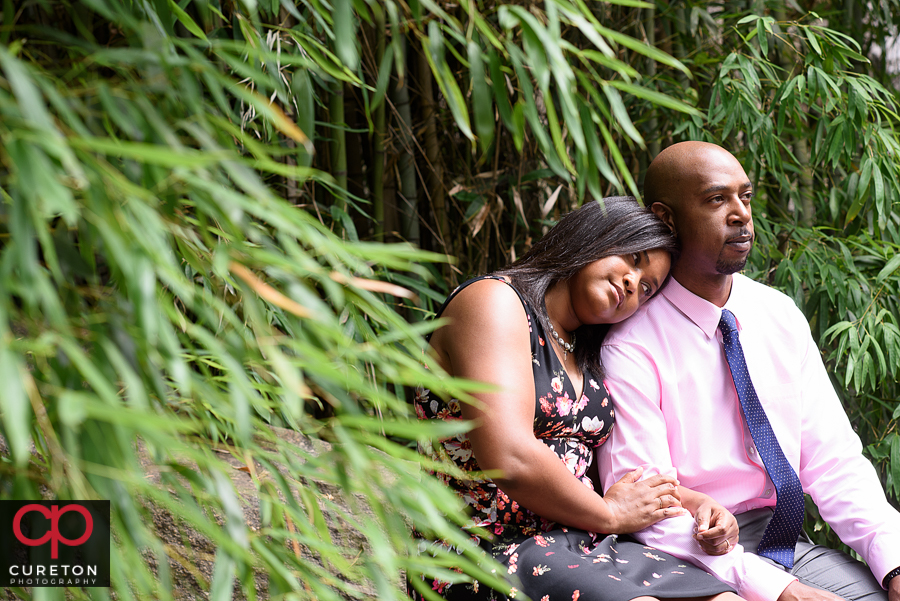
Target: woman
(534,331)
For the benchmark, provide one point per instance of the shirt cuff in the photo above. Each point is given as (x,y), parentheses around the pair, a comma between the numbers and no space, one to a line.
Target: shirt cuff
(765,587)
(890,576)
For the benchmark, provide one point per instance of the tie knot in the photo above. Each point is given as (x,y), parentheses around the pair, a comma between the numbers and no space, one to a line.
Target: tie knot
(727,323)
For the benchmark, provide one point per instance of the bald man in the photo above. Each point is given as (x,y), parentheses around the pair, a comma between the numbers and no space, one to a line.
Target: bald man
(678,409)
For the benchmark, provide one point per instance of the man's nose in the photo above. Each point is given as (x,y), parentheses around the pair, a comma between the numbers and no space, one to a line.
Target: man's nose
(740,213)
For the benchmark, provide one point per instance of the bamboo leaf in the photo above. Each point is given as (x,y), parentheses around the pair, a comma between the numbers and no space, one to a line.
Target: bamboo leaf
(345,33)
(623,119)
(16,414)
(187,21)
(655,97)
(813,42)
(890,267)
(895,461)
(384,78)
(445,80)
(761,36)
(498,85)
(482,105)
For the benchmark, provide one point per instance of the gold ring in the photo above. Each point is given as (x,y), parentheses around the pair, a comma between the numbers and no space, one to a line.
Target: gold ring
(660,502)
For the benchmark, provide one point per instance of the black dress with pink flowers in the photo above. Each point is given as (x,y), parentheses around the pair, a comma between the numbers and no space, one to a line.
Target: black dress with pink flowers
(546,560)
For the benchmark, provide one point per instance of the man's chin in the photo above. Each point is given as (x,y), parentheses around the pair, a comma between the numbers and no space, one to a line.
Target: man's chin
(730,267)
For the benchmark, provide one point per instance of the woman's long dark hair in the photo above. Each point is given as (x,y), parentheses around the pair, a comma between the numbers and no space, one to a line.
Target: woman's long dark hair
(617,225)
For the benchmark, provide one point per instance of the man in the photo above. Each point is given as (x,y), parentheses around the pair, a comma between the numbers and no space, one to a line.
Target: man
(703,394)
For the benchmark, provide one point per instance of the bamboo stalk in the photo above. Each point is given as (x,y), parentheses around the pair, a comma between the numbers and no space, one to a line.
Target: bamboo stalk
(435,177)
(338,145)
(652,125)
(409,214)
(681,28)
(378,133)
(801,146)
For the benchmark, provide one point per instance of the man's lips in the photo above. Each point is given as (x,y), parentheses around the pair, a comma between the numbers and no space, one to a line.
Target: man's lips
(740,243)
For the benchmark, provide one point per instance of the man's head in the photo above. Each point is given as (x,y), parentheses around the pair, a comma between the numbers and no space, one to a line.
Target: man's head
(703,194)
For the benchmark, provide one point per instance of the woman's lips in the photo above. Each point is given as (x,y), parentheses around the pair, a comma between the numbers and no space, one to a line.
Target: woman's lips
(620,295)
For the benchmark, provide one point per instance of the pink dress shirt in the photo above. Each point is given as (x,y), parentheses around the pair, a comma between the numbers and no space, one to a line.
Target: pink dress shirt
(677,412)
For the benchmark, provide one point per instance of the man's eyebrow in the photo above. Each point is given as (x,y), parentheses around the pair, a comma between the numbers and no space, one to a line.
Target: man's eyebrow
(720,187)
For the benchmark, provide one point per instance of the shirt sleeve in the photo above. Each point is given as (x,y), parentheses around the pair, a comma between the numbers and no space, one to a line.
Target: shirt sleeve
(841,481)
(641,438)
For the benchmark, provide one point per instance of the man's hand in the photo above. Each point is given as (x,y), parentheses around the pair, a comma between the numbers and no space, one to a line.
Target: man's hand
(894,589)
(800,592)
(715,528)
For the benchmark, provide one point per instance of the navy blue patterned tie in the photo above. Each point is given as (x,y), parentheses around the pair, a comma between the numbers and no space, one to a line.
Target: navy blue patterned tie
(780,537)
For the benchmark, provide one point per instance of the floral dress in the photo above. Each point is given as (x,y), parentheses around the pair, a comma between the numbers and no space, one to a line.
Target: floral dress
(546,560)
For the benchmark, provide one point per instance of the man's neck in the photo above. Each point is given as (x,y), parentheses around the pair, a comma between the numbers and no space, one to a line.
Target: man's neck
(714,288)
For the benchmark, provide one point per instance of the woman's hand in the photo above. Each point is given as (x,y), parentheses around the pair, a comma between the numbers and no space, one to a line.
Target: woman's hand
(636,505)
(716,529)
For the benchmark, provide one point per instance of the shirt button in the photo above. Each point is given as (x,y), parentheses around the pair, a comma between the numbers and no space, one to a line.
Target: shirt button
(768,492)
(752,450)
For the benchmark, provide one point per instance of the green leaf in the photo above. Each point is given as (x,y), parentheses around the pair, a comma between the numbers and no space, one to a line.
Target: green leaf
(187,21)
(345,33)
(890,267)
(813,42)
(621,113)
(861,189)
(164,156)
(223,577)
(655,97)
(762,37)
(384,78)
(836,330)
(15,409)
(445,80)
(501,97)
(482,106)
(895,461)
(879,184)
(556,133)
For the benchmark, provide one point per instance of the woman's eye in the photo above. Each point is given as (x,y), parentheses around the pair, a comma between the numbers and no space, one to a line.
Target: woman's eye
(636,258)
(646,288)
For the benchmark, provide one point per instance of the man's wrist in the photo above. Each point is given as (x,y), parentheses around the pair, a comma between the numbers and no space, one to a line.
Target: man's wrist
(890,576)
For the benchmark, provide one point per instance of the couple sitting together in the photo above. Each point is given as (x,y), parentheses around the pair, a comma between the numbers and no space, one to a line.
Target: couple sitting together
(705,412)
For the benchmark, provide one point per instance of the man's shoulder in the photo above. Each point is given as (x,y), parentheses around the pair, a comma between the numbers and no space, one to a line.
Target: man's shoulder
(763,297)
(637,327)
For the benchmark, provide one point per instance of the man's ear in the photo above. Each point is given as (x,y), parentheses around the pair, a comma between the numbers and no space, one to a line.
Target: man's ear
(665,214)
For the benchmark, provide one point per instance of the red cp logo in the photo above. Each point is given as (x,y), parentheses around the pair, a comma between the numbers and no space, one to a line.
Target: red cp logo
(53,534)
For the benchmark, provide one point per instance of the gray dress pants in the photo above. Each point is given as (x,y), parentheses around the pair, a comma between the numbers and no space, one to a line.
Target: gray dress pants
(814,565)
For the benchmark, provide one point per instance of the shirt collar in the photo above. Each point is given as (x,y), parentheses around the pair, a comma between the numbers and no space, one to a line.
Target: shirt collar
(703,313)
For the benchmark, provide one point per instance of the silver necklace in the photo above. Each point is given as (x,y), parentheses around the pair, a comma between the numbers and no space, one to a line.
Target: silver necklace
(568,347)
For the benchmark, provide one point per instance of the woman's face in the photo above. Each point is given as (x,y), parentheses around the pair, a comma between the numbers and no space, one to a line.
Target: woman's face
(611,289)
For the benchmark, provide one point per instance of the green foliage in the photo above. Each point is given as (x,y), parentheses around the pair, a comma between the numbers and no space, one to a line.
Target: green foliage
(164,314)
(818,134)
(194,195)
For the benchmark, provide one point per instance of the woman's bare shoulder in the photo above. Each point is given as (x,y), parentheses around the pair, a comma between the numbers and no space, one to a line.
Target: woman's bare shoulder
(487,301)
(484,312)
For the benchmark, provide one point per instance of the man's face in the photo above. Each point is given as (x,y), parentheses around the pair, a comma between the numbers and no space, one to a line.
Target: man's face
(712,214)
